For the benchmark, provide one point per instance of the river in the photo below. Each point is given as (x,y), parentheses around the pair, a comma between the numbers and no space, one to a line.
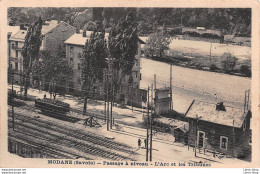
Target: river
(189,84)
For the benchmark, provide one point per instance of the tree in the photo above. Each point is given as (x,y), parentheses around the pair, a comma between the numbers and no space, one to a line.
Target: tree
(246,70)
(122,47)
(90,26)
(55,70)
(228,62)
(30,50)
(93,63)
(157,43)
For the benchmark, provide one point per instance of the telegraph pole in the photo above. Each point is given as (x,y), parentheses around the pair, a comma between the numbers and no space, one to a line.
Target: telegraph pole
(233,133)
(147,135)
(196,135)
(171,107)
(111,105)
(132,96)
(151,136)
(154,91)
(107,108)
(12,76)
(105,100)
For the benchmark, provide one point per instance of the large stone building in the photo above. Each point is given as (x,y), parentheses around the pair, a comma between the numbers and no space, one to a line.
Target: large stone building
(74,51)
(54,34)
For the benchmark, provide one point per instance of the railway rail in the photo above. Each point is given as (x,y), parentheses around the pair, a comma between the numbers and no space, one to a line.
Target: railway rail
(71,138)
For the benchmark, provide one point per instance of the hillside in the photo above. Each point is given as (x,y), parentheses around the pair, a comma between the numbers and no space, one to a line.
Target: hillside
(235,21)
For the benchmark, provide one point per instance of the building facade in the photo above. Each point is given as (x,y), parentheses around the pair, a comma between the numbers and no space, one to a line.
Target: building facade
(219,128)
(54,33)
(74,52)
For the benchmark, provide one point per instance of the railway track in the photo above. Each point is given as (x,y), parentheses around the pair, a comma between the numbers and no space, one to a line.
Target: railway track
(91,137)
(50,132)
(49,152)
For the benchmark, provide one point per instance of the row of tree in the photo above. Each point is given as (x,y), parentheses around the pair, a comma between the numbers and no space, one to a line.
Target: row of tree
(235,21)
(117,52)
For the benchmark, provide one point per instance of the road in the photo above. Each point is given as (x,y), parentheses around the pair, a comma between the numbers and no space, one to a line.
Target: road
(189,84)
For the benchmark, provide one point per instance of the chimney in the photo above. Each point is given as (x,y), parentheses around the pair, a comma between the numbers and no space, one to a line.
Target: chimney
(84,33)
(220,106)
(22,27)
(77,31)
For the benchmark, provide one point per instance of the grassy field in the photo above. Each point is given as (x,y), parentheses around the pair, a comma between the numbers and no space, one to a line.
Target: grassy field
(196,55)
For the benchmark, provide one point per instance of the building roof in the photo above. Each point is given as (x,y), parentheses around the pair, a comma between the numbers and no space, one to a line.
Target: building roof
(78,39)
(176,124)
(12,30)
(46,28)
(19,36)
(207,112)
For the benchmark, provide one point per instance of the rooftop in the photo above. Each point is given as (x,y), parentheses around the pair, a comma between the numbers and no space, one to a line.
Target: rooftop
(19,35)
(176,124)
(12,30)
(49,25)
(207,112)
(78,39)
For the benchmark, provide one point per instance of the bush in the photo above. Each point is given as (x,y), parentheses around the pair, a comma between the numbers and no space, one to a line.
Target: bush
(228,62)
(246,70)
(213,67)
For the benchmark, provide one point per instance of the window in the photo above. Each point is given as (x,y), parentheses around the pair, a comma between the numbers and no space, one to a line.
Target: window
(16,53)
(80,55)
(223,142)
(136,62)
(140,76)
(200,139)
(78,66)
(16,66)
(16,43)
(135,74)
(71,60)
(244,125)
(71,49)
(71,86)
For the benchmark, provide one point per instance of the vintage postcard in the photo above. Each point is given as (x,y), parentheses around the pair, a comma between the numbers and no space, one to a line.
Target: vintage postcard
(129,84)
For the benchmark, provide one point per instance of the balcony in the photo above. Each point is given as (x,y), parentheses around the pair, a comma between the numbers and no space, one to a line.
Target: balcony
(15,59)
(16,47)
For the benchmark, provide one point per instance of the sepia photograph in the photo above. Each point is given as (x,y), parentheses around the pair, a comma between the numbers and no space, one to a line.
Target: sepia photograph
(129,86)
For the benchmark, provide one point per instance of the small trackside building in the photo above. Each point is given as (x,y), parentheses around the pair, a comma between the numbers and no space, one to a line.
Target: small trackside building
(219,128)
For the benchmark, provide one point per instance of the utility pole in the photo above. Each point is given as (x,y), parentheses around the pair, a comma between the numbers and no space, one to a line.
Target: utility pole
(171,104)
(196,135)
(147,135)
(152,103)
(154,91)
(12,76)
(210,51)
(107,108)
(105,100)
(132,95)
(111,105)
(151,136)
(233,132)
